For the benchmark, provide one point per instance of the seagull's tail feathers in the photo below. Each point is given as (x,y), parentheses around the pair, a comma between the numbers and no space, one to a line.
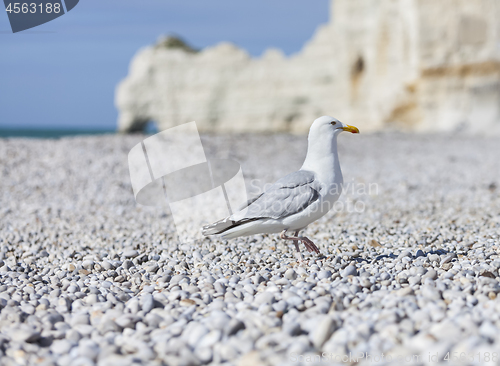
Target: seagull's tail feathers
(217,227)
(222,227)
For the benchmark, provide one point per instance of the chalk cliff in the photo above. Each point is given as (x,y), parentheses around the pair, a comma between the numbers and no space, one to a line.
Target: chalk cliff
(419,65)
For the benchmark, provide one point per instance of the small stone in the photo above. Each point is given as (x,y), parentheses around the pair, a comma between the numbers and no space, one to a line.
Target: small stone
(430,293)
(220,287)
(488,330)
(73,335)
(227,352)
(404,253)
(218,320)
(324,329)
(119,279)
(61,347)
(107,266)
(447,266)
(127,264)
(294,301)
(349,271)
(54,318)
(72,289)
(80,319)
(234,326)
(91,299)
(195,332)
(264,298)
(407,291)
(290,274)
(127,321)
(5,269)
(204,354)
(130,253)
(88,264)
(292,328)
(210,339)
(152,268)
(414,280)
(89,349)
(431,273)
(25,335)
(122,296)
(147,303)
(28,309)
(448,258)
(487,274)
(324,274)
(108,325)
(385,276)
(434,257)
(374,243)
(153,320)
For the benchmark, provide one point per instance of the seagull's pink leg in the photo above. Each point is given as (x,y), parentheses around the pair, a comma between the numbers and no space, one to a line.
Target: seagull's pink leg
(298,254)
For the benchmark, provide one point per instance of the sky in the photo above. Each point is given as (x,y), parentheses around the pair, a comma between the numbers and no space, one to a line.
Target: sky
(63,74)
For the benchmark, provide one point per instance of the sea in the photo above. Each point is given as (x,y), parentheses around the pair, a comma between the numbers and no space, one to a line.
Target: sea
(49,133)
(55,133)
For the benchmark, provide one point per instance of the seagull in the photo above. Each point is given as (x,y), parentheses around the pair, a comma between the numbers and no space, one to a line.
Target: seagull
(297,199)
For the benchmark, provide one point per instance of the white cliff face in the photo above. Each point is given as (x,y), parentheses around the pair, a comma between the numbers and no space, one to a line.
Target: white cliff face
(420,65)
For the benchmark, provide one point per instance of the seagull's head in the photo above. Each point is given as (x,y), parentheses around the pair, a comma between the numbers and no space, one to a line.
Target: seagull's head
(330,125)
(322,142)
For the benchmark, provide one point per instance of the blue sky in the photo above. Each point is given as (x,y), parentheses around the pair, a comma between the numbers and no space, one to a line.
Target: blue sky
(63,74)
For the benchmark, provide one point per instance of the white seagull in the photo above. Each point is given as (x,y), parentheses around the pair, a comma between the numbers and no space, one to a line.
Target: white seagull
(297,199)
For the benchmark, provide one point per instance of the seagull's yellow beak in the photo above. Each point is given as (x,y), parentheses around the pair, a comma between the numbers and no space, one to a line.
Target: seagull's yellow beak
(351,129)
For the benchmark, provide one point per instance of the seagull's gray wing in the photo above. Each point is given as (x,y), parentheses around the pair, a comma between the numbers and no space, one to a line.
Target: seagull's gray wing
(289,195)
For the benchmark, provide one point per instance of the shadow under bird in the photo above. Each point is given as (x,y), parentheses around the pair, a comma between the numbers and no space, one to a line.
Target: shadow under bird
(297,199)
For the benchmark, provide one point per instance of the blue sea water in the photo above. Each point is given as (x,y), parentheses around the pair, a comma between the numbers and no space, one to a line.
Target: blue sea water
(53,133)
(49,133)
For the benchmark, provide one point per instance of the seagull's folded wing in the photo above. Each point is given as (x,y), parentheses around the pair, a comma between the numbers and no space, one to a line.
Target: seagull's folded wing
(288,196)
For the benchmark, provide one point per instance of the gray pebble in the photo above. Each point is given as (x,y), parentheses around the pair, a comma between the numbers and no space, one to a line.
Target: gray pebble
(323,330)
(88,264)
(62,346)
(234,326)
(290,274)
(147,303)
(25,334)
(324,274)
(349,271)
(264,298)
(130,253)
(127,264)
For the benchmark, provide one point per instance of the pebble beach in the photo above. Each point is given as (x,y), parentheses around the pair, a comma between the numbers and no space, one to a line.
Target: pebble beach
(408,272)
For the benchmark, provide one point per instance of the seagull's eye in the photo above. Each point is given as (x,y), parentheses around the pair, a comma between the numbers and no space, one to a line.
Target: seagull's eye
(333,123)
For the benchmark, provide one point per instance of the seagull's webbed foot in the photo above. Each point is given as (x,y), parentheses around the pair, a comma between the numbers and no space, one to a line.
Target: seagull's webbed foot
(310,246)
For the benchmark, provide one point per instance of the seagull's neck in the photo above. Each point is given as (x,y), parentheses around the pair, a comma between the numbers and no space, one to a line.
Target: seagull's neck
(322,158)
